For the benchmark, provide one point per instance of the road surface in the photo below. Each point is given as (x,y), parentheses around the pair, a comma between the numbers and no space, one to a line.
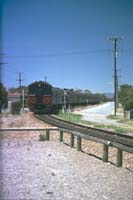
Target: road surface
(99,113)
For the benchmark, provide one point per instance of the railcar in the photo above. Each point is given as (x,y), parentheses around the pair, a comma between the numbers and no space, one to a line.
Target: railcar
(40,97)
(43,98)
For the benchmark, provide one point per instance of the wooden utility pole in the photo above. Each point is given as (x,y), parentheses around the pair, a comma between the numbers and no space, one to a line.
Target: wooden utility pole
(45,79)
(65,94)
(20,86)
(20,81)
(115,40)
(1,63)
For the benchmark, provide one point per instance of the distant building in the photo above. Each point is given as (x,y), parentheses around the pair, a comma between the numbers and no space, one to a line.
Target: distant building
(14,97)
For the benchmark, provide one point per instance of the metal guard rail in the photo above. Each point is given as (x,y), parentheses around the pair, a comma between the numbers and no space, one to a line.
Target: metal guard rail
(106,143)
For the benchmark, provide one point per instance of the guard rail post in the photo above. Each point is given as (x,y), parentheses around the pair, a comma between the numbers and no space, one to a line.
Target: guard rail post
(119,158)
(105,153)
(47,135)
(61,136)
(78,143)
(72,140)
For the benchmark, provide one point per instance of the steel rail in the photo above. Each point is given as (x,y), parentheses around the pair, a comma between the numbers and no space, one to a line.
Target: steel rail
(94,132)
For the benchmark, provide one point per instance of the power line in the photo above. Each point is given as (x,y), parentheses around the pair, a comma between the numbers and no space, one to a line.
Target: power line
(127,50)
(57,54)
(73,53)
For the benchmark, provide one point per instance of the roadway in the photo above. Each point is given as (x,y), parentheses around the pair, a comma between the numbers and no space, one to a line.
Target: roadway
(99,113)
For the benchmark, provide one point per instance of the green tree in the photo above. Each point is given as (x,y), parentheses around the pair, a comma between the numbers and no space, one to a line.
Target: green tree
(126,96)
(3,97)
(17,89)
(102,97)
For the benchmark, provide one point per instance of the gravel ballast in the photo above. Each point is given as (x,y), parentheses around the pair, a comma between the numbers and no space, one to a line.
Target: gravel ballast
(54,171)
(50,170)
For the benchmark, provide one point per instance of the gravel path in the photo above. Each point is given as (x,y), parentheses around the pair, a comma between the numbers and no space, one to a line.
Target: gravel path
(54,171)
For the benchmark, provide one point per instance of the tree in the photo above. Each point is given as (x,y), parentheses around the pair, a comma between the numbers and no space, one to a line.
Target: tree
(3,97)
(102,97)
(88,91)
(126,96)
(17,89)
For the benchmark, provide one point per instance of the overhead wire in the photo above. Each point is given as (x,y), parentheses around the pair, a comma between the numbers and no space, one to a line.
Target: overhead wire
(56,54)
(72,53)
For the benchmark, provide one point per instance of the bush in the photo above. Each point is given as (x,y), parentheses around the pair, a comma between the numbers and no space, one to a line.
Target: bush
(126,96)
(16,107)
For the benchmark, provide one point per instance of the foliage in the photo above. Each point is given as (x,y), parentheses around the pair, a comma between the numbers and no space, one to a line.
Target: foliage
(17,89)
(126,96)
(16,107)
(112,117)
(39,87)
(70,117)
(102,97)
(3,97)
(78,119)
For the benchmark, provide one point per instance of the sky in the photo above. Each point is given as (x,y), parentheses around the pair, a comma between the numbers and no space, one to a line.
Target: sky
(68,42)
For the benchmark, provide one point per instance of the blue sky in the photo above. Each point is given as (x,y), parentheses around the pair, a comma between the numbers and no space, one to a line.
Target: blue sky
(67,41)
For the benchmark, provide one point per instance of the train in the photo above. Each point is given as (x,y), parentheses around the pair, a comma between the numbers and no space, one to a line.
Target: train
(43,98)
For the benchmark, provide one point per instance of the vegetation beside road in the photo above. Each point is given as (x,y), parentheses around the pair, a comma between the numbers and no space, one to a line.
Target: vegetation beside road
(3,97)
(126,96)
(125,126)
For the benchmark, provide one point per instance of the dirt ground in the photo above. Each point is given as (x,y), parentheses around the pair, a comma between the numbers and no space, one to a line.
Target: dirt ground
(51,170)
(28,120)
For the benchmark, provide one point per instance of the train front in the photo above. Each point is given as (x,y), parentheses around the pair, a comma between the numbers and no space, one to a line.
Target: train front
(40,97)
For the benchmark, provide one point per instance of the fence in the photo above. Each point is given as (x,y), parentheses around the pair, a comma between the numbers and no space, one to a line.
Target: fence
(79,136)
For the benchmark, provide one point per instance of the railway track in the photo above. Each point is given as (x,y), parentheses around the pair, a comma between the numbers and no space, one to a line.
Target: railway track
(126,140)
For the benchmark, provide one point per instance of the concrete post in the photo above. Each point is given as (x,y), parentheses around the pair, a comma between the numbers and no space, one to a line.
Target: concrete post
(119,158)
(105,153)
(47,135)
(72,140)
(78,143)
(61,136)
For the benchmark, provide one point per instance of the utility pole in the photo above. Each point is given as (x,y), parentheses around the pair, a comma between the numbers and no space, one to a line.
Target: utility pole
(115,40)
(65,94)
(20,81)
(1,63)
(23,99)
(45,79)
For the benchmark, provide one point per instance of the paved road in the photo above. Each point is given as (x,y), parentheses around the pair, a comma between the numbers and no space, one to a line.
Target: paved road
(99,113)
(104,109)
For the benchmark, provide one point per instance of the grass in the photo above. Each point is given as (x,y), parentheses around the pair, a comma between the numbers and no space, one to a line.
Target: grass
(70,117)
(78,119)
(121,130)
(113,117)
(101,126)
(128,121)
(112,128)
